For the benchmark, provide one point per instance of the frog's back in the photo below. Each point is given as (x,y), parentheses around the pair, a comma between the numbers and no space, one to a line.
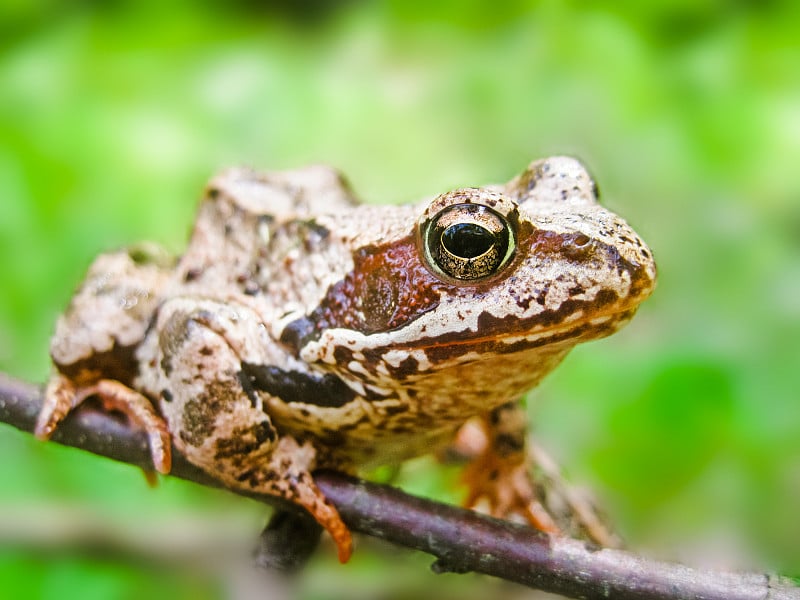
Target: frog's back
(233,247)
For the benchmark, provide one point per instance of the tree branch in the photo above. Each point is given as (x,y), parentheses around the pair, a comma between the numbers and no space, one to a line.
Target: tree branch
(462,540)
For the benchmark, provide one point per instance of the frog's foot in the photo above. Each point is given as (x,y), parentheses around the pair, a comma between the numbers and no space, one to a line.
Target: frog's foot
(505,483)
(498,471)
(499,475)
(307,494)
(304,492)
(62,396)
(287,475)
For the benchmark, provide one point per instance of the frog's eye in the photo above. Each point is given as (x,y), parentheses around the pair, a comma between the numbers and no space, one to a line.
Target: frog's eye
(467,241)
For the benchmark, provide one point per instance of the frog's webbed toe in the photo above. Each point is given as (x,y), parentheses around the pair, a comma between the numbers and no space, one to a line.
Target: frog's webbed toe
(59,400)
(62,396)
(509,490)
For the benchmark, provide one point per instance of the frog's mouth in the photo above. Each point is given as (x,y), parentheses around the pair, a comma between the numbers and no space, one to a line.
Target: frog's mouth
(504,337)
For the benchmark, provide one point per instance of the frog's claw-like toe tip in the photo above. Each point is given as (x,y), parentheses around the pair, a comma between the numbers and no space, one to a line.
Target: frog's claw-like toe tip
(345,548)
(327,516)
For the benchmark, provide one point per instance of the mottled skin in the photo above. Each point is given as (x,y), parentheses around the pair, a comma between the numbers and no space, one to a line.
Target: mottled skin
(301,329)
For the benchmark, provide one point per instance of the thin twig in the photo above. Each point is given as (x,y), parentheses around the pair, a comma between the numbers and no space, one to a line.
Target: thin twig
(462,540)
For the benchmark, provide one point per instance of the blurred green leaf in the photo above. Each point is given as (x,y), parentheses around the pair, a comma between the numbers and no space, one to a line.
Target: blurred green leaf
(666,436)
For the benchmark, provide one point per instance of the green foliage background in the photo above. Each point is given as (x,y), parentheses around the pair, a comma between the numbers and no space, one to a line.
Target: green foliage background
(686,424)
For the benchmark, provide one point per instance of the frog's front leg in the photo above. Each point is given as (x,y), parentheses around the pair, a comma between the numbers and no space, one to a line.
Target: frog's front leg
(219,421)
(501,470)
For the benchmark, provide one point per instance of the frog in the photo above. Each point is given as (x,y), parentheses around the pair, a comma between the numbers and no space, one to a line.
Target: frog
(302,329)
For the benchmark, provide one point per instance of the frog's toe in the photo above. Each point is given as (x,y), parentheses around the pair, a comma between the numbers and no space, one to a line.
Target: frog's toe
(140,411)
(506,486)
(59,398)
(297,486)
(286,472)
(62,396)
(327,516)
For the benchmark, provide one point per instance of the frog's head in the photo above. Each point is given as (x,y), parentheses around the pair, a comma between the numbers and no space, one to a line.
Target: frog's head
(533,264)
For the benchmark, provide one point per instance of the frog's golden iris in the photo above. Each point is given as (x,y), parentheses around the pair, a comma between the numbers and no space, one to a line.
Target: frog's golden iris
(468,241)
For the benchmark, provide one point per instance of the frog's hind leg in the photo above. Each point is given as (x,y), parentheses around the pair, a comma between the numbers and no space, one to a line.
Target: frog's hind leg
(62,396)
(220,421)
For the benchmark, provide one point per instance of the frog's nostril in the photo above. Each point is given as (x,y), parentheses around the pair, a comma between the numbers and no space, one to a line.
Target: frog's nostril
(576,246)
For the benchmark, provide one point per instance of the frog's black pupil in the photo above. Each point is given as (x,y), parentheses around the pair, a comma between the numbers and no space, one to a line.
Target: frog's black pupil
(467,240)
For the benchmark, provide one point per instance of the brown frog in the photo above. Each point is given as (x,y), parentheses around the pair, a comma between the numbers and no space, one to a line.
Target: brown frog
(302,329)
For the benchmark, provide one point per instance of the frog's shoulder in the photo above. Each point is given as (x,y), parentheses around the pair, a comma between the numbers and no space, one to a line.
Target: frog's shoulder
(283,195)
